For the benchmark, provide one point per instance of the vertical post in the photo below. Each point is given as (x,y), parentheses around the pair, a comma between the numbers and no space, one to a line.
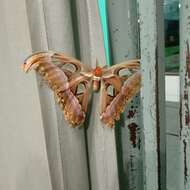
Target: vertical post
(124,38)
(185,94)
(100,139)
(51,28)
(153,108)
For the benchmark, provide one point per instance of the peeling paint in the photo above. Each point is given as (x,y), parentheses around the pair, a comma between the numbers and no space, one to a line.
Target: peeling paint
(133,133)
(185,162)
(158,117)
(180,116)
(139,143)
(188,60)
(185,93)
(187,116)
(131,114)
(184,99)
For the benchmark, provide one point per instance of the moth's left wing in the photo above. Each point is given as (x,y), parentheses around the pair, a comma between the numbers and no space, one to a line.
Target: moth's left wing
(63,75)
(118,89)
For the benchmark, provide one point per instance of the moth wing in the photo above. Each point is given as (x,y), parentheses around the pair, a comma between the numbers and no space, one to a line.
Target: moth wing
(63,81)
(124,88)
(74,103)
(133,64)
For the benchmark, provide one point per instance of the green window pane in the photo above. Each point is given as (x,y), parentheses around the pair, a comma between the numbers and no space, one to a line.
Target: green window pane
(103,16)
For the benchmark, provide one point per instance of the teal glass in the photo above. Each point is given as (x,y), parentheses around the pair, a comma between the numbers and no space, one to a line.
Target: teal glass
(103,17)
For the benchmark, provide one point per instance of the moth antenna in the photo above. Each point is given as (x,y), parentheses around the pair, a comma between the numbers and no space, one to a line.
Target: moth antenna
(97,64)
(105,66)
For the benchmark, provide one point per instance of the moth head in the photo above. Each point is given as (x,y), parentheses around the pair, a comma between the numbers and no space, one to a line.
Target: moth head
(28,65)
(32,61)
(98,70)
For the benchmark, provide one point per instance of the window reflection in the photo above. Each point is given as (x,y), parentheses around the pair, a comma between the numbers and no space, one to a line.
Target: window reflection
(171,14)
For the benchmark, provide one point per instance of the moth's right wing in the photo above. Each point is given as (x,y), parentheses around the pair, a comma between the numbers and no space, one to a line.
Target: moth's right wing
(123,88)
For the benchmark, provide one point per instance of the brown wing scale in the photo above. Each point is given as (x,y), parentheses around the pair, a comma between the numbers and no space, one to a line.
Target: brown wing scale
(125,88)
(63,82)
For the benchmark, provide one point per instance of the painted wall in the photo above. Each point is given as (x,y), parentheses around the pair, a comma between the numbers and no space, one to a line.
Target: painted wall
(23,160)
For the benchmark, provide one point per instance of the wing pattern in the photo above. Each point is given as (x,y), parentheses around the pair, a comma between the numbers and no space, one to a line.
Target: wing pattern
(63,82)
(113,106)
(72,81)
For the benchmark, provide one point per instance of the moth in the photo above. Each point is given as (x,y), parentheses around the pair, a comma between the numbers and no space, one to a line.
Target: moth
(72,83)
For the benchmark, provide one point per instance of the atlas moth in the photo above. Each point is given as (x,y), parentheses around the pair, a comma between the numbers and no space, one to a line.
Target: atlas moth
(72,83)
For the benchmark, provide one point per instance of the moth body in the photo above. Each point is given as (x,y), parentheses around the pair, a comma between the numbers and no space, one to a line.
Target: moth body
(96,84)
(97,74)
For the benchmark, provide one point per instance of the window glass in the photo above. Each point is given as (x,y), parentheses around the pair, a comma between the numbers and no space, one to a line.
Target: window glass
(171,14)
(171,19)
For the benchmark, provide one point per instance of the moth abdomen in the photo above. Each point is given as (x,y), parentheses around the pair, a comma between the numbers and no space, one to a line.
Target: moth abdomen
(96,85)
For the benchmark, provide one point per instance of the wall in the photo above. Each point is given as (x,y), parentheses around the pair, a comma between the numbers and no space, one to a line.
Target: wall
(23,160)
